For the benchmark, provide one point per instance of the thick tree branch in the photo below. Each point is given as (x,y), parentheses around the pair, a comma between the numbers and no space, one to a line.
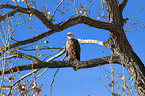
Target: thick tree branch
(88,21)
(33,11)
(63,64)
(122,4)
(8,14)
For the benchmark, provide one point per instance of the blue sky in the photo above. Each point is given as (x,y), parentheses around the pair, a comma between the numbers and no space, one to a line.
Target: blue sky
(84,81)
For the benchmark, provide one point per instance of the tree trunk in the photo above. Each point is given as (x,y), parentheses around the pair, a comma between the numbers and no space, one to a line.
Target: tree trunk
(120,46)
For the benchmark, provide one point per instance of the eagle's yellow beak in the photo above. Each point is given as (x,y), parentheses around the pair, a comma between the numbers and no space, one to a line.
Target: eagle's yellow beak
(67,34)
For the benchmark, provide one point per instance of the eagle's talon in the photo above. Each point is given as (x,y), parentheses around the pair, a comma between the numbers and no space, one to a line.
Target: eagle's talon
(75,68)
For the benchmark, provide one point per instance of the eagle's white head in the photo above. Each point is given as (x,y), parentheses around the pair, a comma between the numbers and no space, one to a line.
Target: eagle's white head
(70,35)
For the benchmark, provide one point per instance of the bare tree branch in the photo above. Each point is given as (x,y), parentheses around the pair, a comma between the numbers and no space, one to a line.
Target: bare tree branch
(17,54)
(8,14)
(90,41)
(44,47)
(33,11)
(122,4)
(62,52)
(88,21)
(63,64)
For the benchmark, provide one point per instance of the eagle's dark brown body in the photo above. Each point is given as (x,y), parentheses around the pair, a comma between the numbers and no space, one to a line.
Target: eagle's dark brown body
(73,49)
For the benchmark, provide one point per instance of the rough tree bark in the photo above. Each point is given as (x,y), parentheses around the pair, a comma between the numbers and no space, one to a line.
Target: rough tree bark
(117,42)
(120,46)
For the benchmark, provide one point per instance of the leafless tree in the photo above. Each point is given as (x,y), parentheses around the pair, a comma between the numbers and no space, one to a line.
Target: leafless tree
(113,23)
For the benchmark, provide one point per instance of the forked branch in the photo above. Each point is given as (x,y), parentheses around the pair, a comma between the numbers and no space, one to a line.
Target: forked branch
(64,25)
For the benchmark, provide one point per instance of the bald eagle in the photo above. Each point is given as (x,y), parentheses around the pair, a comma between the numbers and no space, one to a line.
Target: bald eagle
(72,48)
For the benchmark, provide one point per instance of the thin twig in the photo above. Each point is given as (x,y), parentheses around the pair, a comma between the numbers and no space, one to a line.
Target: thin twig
(104,85)
(54,77)
(21,79)
(132,19)
(56,9)
(45,47)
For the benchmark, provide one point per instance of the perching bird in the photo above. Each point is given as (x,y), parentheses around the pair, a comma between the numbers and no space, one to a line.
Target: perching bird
(72,48)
